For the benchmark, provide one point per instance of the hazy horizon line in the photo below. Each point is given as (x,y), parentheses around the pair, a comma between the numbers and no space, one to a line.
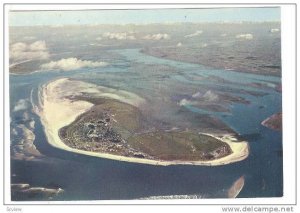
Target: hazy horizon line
(145,24)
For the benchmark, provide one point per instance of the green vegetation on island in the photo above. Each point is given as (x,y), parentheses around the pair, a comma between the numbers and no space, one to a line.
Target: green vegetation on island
(118,128)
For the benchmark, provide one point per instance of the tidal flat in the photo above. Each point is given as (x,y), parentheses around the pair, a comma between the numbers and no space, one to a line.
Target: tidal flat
(145,111)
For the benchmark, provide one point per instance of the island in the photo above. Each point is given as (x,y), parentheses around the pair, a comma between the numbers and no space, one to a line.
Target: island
(24,191)
(274,122)
(93,120)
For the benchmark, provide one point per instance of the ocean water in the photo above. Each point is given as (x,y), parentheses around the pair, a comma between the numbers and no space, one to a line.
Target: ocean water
(89,178)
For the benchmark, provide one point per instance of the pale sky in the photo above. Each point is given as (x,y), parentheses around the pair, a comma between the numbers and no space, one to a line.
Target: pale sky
(34,18)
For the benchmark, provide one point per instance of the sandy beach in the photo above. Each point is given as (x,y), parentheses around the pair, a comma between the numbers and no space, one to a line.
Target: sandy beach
(57,111)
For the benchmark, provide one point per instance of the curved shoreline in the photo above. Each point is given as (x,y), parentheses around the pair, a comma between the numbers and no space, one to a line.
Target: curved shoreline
(58,111)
